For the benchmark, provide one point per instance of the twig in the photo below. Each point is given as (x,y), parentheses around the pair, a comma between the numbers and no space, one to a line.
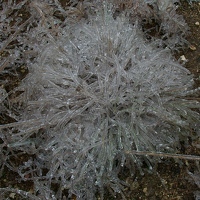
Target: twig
(166,155)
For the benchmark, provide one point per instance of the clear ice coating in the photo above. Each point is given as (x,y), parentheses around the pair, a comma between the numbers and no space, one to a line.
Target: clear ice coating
(96,90)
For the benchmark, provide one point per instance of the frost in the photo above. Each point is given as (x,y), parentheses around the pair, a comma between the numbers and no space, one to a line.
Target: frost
(97,89)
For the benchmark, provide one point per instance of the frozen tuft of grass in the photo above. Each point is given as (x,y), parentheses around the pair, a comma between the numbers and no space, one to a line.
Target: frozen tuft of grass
(95,93)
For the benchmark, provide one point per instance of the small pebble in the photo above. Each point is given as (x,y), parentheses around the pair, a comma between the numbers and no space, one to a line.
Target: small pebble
(12,195)
(197,23)
(192,47)
(23,70)
(31,191)
(183,58)
(145,190)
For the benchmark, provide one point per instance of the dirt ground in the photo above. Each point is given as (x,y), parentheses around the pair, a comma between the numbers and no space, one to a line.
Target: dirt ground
(171,180)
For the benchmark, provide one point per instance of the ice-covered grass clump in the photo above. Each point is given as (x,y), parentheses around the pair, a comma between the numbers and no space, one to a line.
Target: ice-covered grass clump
(96,93)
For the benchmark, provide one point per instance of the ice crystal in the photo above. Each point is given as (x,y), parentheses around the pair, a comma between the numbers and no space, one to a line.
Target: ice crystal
(97,90)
